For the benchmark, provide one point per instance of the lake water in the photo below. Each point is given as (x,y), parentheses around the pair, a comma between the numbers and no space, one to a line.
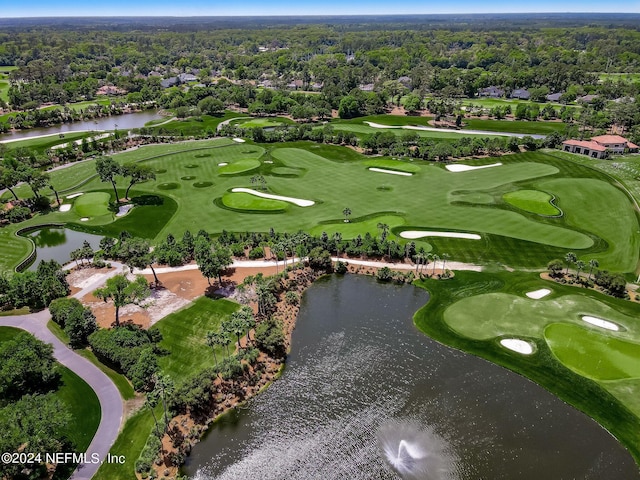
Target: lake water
(361,376)
(125,122)
(57,244)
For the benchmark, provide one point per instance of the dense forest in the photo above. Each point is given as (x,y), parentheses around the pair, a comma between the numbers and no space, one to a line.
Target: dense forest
(69,62)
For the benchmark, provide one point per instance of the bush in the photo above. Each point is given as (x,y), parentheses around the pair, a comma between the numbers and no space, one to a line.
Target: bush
(292,298)
(384,274)
(256,253)
(270,337)
(149,454)
(18,214)
(341,268)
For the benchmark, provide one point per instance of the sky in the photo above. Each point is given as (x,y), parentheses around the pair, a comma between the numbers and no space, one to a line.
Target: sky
(186,8)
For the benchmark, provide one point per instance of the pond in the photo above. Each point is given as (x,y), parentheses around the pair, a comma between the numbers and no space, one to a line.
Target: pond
(55,243)
(124,122)
(360,377)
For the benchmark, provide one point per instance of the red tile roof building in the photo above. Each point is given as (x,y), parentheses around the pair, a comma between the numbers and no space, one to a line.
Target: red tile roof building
(600,146)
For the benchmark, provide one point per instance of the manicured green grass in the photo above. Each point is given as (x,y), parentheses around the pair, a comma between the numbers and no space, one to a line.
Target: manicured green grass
(393,165)
(129,443)
(240,166)
(193,125)
(523,127)
(58,332)
(84,407)
(395,120)
(184,336)
(246,201)
(8,333)
(263,122)
(592,354)
(92,204)
(533,201)
(4,90)
(356,226)
(364,130)
(43,144)
(614,405)
(13,248)
(616,77)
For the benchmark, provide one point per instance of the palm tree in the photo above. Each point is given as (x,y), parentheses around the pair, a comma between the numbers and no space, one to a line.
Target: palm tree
(337,238)
(212,341)
(346,212)
(419,258)
(579,266)
(445,257)
(570,258)
(593,263)
(151,401)
(164,387)
(435,259)
(384,230)
(225,329)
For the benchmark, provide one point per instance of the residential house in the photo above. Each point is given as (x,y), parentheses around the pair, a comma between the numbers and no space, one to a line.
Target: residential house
(405,81)
(586,98)
(295,84)
(521,93)
(169,82)
(366,88)
(554,97)
(492,91)
(600,146)
(187,77)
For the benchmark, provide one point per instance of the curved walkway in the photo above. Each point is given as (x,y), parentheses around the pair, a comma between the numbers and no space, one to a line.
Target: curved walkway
(111,405)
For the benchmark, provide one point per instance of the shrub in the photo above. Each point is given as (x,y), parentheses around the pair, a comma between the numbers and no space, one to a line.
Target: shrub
(148,454)
(341,268)
(384,274)
(270,337)
(292,298)
(256,253)
(18,214)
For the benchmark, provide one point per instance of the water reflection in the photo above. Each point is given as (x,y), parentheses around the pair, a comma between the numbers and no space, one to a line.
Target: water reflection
(53,243)
(358,364)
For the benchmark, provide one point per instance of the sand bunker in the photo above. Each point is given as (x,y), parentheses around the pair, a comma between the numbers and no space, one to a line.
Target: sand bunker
(516,345)
(223,164)
(122,211)
(268,161)
(297,201)
(536,294)
(413,234)
(238,140)
(65,208)
(392,172)
(84,219)
(464,168)
(598,322)
(75,195)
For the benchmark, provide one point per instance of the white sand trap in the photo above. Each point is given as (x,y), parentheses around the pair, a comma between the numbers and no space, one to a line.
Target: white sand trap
(223,164)
(392,172)
(239,140)
(412,234)
(74,195)
(84,219)
(268,161)
(537,294)
(464,168)
(516,345)
(65,208)
(297,201)
(122,211)
(598,322)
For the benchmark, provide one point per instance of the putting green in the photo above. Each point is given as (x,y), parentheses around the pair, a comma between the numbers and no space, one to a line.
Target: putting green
(533,201)
(92,204)
(239,166)
(248,202)
(259,122)
(592,354)
(396,165)
(492,315)
(356,227)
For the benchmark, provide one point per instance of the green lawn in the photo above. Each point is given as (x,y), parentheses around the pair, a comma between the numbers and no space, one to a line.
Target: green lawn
(193,125)
(92,204)
(248,202)
(77,396)
(129,443)
(42,144)
(472,311)
(522,127)
(390,164)
(358,226)
(533,201)
(395,120)
(363,130)
(263,122)
(184,334)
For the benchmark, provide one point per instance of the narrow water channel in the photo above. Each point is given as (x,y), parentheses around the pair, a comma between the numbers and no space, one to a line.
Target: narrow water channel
(359,371)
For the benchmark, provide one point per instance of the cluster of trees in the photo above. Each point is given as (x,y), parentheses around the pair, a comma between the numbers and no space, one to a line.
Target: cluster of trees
(108,169)
(32,419)
(34,289)
(614,284)
(77,321)
(130,350)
